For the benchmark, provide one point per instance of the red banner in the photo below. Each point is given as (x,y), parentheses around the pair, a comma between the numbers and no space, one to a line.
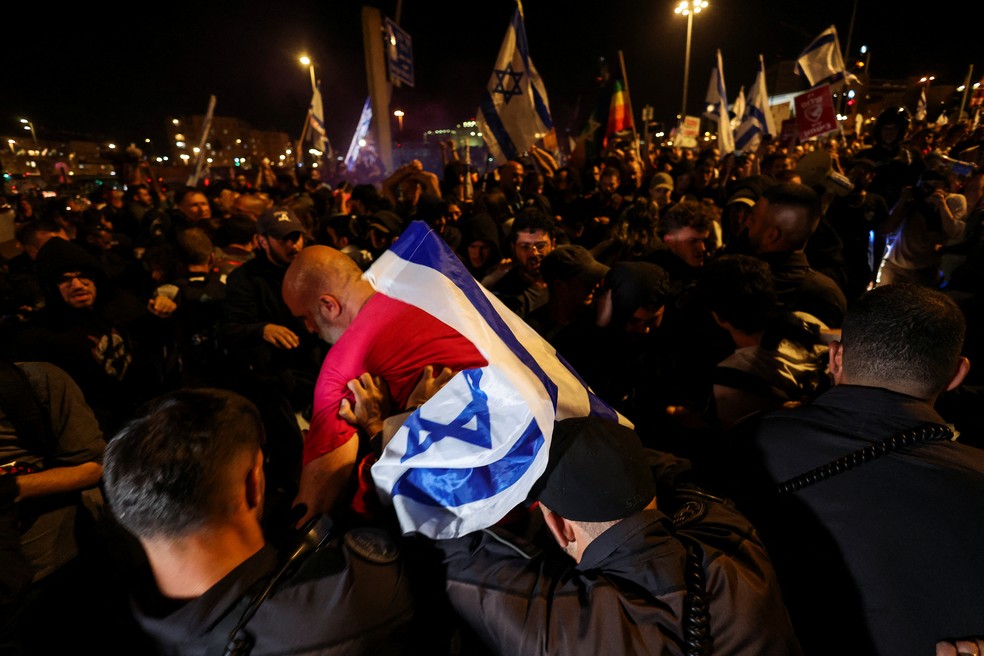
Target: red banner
(815,113)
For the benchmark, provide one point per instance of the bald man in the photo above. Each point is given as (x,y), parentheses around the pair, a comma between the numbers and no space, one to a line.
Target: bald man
(369,332)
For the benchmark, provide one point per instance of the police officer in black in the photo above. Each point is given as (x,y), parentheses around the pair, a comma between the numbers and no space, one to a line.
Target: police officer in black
(185,477)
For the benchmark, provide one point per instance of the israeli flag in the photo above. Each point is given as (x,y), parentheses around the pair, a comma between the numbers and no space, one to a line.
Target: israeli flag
(472,453)
(514,111)
(319,136)
(757,119)
(822,62)
(726,137)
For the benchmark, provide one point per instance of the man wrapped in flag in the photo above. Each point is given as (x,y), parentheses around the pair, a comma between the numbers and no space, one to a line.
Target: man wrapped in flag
(514,111)
(470,454)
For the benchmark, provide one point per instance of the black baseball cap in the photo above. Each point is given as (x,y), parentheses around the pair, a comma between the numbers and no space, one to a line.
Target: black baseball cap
(279,222)
(571,261)
(598,471)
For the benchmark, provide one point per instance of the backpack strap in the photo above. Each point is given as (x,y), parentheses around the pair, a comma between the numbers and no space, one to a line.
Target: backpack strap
(919,435)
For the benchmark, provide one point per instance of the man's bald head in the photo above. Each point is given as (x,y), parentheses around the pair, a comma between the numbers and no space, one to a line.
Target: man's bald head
(325,288)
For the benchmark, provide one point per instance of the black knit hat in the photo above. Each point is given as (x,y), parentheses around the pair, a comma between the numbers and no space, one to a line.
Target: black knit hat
(58,256)
(598,471)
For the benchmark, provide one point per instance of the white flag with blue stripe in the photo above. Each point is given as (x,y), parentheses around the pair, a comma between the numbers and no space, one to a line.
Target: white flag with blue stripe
(319,136)
(921,105)
(822,62)
(472,453)
(757,120)
(726,136)
(361,130)
(514,111)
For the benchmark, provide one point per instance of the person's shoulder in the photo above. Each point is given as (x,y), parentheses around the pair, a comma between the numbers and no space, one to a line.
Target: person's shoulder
(821,280)
(40,372)
(388,313)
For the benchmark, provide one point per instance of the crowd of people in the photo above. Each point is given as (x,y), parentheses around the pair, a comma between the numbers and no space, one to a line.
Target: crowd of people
(203,378)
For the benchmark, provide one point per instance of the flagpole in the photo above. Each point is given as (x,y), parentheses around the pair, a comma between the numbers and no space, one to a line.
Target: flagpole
(193,179)
(963,99)
(628,102)
(299,158)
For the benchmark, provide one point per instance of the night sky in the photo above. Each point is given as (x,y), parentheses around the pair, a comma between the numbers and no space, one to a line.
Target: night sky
(116,70)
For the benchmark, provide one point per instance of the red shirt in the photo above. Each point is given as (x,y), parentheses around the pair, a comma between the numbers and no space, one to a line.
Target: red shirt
(391,339)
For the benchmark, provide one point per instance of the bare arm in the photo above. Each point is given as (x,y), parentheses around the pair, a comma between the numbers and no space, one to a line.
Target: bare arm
(430,182)
(389,185)
(327,479)
(58,479)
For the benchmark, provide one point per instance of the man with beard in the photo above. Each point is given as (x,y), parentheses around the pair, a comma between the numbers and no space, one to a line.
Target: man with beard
(271,358)
(111,342)
(522,288)
(572,275)
(368,332)
(776,231)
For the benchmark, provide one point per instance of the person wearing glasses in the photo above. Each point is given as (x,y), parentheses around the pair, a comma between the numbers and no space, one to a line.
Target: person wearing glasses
(522,288)
(111,342)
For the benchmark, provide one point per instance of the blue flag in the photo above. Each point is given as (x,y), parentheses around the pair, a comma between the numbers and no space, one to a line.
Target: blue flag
(472,453)
(514,111)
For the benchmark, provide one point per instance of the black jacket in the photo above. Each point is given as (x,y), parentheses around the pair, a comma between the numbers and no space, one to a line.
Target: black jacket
(253,300)
(883,558)
(628,593)
(350,597)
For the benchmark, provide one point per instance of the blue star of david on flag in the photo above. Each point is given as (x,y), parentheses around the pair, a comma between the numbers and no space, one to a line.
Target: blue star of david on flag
(511,128)
(423,432)
(500,85)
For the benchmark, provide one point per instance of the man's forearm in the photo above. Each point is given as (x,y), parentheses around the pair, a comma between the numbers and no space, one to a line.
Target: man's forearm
(58,479)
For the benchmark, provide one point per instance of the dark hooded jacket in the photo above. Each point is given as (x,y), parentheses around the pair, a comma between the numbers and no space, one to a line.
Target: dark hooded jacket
(481,227)
(114,350)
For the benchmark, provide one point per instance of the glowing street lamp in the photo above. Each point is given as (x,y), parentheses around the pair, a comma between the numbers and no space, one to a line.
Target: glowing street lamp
(30,126)
(305,60)
(688,8)
(399,118)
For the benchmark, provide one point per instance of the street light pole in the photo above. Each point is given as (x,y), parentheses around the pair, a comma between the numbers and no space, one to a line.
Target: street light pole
(688,8)
(28,125)
(686,64)
(310,64)
(299,155)
(924,93)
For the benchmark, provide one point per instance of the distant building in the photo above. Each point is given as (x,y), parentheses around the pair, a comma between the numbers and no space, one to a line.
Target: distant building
(231,144)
